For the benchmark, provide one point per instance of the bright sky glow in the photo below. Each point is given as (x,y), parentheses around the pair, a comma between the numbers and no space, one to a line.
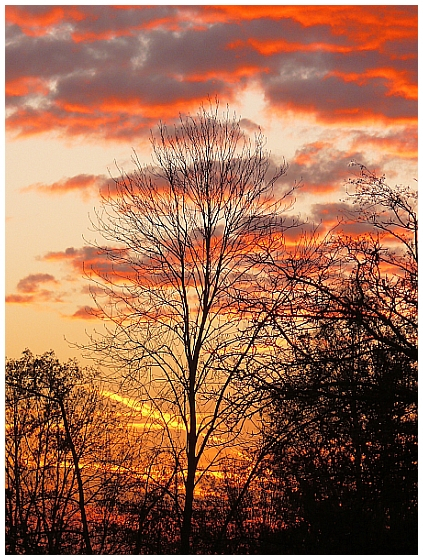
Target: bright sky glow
(152,416)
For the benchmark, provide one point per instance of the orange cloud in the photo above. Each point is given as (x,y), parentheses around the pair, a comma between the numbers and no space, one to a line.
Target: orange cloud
(170,23)
(30,122)
(18,298)
(39,23)
(274,46)
(152,112)
(320,167)
(402,143)
(84,184)
(147,411)
(26,85)
(309,153)
(78,258)
(344,116)
(91,36)
(357,22)
(400,83)
(229,77)
(92,262)
(85,313)
(113,119)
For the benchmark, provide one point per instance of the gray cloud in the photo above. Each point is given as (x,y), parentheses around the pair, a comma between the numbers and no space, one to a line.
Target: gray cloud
(31,283)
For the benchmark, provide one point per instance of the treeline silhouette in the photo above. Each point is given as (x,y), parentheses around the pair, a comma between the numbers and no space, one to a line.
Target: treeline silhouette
(255,390)
(312,493)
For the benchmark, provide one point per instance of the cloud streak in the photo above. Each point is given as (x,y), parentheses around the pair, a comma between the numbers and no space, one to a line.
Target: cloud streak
(84,184)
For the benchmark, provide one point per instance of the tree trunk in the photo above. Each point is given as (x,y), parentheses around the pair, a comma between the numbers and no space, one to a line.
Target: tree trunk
(85,530)
(187,517)
(192,469)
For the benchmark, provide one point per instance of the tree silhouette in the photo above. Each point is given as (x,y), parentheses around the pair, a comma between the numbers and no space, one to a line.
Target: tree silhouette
(43,452)
(342,386)
(344,426)
(180,234)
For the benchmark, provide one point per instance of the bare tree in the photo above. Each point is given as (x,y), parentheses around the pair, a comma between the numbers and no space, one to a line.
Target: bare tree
(180,233)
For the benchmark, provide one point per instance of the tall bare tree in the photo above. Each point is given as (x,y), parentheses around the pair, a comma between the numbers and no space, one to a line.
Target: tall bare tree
(178,235)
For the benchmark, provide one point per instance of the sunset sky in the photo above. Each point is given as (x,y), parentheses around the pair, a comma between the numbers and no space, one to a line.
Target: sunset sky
(85,84)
